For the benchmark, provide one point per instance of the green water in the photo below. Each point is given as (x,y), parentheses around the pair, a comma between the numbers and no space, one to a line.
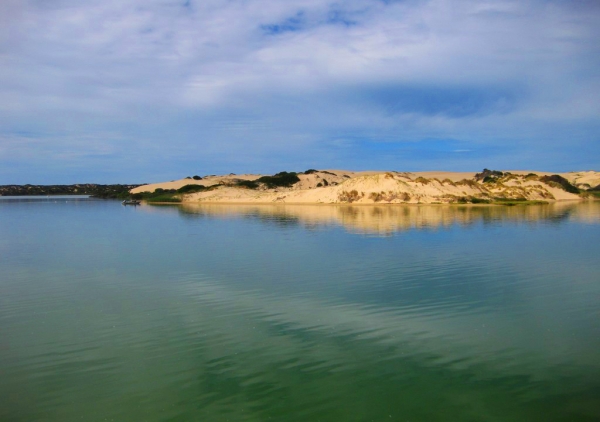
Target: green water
(298,313)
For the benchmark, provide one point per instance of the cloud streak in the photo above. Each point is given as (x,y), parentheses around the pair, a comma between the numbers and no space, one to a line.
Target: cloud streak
(259,85)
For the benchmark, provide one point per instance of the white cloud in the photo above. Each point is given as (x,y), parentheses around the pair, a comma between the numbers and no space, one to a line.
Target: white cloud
(300,68)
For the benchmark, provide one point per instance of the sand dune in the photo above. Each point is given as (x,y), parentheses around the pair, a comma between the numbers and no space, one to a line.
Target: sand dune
(368,187)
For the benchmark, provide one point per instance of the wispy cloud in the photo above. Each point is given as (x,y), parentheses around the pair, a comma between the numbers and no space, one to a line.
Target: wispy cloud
(258,84)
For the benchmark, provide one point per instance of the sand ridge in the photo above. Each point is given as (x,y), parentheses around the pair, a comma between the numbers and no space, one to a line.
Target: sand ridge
(368,187)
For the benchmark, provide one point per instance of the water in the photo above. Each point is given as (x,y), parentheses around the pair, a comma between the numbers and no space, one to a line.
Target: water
(298,313)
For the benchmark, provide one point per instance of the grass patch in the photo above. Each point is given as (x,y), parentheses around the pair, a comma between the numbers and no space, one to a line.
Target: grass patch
(513,202)
(467,182)
(591,194)
(422,180)
(159,195)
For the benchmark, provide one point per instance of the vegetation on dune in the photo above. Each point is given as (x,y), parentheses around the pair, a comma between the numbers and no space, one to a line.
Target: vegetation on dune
(282,179)
(487,176)
(196,188)
(558,181)
(159,195)
(422,180)
(350,196)
(467,182)
(171,195)
(389,196)
(312,171)
(248,184)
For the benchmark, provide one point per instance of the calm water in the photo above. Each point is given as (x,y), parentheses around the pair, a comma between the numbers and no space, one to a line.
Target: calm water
(305,313)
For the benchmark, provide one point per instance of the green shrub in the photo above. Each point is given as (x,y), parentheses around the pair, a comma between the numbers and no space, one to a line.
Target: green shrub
(159,195)
(559,182)
(488,173)
(282,179)
(197,178)
(248,184)
(191,189)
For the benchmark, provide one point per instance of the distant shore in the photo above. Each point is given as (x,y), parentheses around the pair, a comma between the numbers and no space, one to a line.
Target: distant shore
(117,191)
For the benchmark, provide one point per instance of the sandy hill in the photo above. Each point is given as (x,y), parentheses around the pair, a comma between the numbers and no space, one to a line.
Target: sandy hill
(341,186)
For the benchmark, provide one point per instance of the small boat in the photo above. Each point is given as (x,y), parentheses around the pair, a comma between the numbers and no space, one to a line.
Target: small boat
(130,202)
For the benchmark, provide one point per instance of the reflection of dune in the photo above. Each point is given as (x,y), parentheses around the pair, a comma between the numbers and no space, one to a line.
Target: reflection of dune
(384,220)
(584,212)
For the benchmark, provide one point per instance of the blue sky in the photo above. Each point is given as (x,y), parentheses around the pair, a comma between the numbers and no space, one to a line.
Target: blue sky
(126,91)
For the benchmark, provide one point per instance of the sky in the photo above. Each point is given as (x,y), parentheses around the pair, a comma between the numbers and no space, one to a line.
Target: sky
(140,91)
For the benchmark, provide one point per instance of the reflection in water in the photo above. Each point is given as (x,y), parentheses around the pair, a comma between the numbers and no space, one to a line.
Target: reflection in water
(386,220)
(220,312)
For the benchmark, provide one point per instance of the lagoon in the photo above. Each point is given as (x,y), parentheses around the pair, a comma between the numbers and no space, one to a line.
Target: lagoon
(298,313)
